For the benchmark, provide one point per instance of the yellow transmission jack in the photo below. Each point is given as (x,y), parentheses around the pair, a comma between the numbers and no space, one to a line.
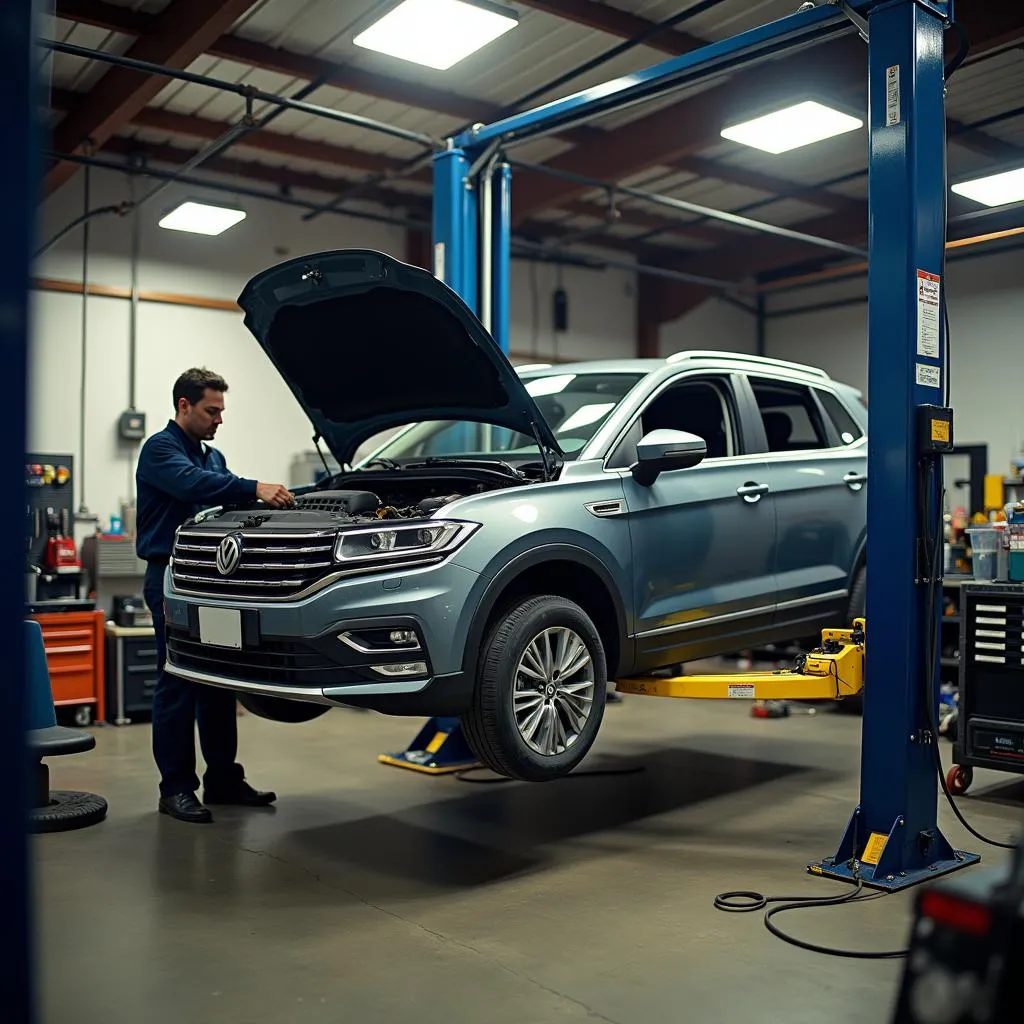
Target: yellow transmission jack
(833,671)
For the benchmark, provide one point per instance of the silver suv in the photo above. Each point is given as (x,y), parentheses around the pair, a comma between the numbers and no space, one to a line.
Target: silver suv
(522,537)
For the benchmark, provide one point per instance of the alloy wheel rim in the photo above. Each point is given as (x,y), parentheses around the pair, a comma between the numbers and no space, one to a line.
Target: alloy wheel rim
(553,692)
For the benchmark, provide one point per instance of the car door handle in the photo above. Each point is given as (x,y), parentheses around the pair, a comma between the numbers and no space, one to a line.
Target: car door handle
(855,480)
(751,492)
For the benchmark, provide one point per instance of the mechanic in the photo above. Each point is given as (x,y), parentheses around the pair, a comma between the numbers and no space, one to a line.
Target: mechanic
(177,476)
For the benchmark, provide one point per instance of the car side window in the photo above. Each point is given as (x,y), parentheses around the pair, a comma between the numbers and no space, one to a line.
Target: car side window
(847,429)
(791,417)
(700,407)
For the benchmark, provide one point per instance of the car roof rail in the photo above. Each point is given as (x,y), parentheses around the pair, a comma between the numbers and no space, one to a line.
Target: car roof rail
(739,357)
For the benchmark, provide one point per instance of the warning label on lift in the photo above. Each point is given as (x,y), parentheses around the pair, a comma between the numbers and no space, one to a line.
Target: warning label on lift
(928,289)
(742,691)
(892,95)
(875,845)
(928,376)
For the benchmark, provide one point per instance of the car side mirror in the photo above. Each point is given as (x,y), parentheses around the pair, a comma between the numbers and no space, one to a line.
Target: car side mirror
(662,451)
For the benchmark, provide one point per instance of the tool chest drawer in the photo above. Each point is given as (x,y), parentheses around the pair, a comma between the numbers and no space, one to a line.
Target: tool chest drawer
(996,630)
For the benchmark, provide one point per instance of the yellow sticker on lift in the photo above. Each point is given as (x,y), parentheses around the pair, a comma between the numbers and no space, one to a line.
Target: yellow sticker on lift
(940,431)
(873,851)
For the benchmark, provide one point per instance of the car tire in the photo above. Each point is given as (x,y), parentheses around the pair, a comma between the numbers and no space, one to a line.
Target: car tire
(278,709)
(855,610)
(549,731)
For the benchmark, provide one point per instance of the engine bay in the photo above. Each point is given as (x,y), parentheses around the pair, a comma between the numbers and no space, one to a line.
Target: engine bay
(368,496)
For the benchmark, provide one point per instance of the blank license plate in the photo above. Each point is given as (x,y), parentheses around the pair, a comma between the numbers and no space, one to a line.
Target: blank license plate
(220,627)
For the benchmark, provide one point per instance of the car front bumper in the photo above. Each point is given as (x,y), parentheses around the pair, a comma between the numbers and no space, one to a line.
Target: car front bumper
(336,647)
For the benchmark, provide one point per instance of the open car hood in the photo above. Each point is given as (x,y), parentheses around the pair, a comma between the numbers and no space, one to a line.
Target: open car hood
(367,343)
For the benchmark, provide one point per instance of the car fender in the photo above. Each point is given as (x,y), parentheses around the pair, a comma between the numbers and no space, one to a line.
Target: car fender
(485,598)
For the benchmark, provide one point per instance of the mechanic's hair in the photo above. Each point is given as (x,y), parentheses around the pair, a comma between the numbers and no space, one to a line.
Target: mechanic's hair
(192,384)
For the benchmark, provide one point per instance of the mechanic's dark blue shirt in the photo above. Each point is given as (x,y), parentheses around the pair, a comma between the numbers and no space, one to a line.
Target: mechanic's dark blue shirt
(175,479)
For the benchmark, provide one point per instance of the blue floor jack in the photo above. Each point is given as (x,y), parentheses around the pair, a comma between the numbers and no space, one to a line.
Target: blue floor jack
(439,748)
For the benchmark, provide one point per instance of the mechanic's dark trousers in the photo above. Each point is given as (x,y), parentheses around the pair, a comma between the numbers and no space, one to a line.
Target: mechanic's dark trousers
(177,706)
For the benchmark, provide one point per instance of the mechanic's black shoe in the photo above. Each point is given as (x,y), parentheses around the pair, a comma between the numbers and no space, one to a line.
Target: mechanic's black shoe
(613,697)
(185,807)
(238,794)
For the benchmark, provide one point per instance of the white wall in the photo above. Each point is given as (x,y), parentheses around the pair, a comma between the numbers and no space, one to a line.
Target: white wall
(602,313)
(715,325)
(986,315)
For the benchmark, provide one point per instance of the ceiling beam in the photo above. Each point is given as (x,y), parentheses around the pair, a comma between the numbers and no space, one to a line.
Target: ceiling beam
(180,33)
(753,256)
(466,109)
(296,65)
(282,177)
(617,23)
(287,178)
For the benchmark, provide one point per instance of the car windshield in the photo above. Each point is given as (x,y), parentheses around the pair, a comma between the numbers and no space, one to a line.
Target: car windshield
(574,405)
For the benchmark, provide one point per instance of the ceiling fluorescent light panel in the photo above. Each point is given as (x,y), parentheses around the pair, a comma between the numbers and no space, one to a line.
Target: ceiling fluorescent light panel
(994,189)
(201,218)
(437,33)
(792,127)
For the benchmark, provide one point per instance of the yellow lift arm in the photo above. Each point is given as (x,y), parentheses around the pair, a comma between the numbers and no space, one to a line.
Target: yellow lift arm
(833,671)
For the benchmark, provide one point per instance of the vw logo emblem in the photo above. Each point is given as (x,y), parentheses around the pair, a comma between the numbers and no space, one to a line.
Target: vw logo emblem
(229,554)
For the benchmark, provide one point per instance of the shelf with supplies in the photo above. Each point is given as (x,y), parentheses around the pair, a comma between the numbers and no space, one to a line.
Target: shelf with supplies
(952,618)
(131,672)
(75,659)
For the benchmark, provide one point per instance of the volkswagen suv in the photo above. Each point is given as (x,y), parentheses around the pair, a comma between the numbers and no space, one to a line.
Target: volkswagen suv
(522,537)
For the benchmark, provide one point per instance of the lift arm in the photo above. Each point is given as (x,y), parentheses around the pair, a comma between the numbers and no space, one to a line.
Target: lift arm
(833,671)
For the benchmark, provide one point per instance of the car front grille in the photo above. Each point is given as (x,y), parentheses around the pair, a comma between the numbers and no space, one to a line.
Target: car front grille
(284,663)
(274,565)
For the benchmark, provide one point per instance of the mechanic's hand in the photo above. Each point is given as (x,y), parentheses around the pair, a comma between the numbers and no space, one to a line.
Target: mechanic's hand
(275,495)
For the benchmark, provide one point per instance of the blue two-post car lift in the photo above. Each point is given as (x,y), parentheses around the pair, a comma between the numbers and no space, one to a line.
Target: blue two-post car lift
(892,839)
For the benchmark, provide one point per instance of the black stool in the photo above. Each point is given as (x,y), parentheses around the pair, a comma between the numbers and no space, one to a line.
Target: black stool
(53,810)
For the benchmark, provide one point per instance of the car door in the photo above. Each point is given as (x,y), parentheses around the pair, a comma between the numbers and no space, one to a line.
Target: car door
(702,538)
(817,470)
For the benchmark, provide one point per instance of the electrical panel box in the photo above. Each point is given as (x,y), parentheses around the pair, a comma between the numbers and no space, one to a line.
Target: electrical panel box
(934,429)
(132,425)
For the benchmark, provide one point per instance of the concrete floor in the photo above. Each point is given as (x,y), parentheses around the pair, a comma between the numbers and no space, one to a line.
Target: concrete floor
(372,894)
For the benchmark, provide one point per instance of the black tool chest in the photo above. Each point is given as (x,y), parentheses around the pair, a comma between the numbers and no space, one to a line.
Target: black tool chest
(991,731)
(131,672)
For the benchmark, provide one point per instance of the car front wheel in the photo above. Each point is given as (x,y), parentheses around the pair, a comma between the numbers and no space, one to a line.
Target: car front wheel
(540,692)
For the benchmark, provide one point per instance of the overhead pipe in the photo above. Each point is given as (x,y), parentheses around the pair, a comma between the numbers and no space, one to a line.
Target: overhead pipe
(83,507)
(851,270)
(603,262)
(240,190)
(687,207)
(248,91)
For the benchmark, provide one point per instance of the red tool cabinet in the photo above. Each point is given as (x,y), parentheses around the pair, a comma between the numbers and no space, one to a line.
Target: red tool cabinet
(74,643)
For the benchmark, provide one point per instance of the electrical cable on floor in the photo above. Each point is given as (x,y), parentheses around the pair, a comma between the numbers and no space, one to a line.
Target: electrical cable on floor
(745,902)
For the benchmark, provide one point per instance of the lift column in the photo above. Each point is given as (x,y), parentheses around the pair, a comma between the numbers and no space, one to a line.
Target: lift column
(20,76)
(455,226)
(893,839)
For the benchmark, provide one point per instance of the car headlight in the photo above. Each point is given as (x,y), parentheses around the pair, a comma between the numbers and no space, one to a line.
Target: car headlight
(397,543)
